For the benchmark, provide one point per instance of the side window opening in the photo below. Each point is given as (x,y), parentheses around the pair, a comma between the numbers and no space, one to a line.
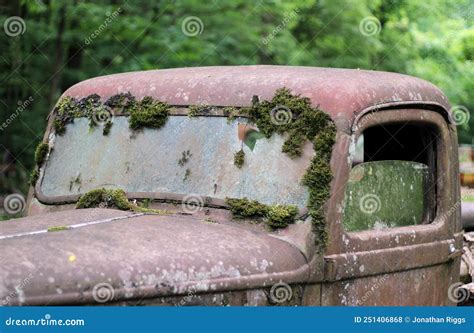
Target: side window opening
(392,182)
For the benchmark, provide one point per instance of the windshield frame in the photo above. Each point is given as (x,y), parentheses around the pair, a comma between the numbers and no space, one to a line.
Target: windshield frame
(208,201)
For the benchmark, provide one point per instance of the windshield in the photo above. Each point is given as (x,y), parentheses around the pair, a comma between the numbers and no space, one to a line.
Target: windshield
(185,156)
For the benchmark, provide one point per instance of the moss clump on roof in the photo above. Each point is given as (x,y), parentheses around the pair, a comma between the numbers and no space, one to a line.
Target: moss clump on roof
(294,115)
(40,153)
(148,113)
(112,198)
(276,216)
(239,158)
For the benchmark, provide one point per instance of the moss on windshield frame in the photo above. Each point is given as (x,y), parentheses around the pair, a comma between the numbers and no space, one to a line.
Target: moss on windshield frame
(113,198)
(285,113)
(144,113)
(294,115)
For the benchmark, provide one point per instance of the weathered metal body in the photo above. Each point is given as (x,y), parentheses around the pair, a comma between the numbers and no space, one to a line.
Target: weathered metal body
(184,259)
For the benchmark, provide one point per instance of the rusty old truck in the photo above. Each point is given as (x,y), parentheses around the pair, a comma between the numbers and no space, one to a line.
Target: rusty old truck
(248,185)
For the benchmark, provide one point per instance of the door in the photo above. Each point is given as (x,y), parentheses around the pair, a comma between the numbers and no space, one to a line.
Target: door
(395,235)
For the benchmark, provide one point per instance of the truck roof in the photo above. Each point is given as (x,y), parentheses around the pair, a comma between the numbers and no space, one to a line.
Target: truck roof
(342,93)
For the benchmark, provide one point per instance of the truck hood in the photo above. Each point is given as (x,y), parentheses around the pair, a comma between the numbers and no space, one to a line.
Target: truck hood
(101,255)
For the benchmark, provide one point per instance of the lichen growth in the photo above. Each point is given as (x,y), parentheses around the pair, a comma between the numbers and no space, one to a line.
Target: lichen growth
(58,228)
(40,153)
(148,113)
(302,123)
(113,198)
(239,158)
(274,216)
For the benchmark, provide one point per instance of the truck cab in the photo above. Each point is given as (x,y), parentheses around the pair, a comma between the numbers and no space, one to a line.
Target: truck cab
(247,185)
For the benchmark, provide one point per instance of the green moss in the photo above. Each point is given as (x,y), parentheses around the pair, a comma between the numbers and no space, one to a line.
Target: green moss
(58,228)
(65,111)
(107,127)
(113,198)
(104,198)
(239,158)
(276,216)
(246,208)
(148,113)
(294,115)
(197,110)
(231,113)
(121,102)
(33,177)
(40,153)
(145,113)
(279,216)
